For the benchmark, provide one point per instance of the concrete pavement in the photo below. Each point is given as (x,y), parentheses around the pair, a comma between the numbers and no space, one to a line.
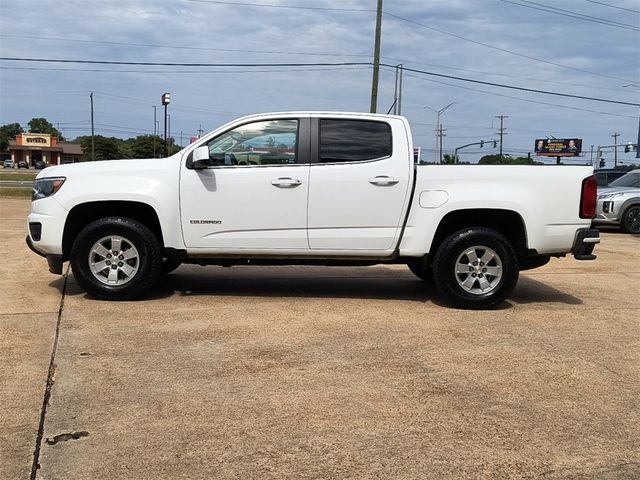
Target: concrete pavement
(305,372)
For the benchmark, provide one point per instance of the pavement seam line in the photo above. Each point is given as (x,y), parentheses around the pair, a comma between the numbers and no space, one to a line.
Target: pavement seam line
(49,385)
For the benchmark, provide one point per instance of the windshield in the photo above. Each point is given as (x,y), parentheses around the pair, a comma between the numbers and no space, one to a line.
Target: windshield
(631,179)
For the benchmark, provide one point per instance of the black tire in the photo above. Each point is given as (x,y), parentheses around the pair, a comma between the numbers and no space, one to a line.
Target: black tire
(148,261)
(421,271)
(169,265)
(631,220)
(498,288)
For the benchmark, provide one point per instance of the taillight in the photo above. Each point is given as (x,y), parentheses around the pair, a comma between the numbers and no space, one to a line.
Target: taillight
(588,197)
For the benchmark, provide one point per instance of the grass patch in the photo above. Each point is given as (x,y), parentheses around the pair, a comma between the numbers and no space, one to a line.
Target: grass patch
(15,192)
(18,177)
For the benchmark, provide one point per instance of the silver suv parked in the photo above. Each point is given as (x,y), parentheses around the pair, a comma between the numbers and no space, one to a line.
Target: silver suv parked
(619,203)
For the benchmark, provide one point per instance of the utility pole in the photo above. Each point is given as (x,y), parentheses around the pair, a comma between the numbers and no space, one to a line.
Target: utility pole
(615,149)
(400,91)
(154,131)
(93,140)
(376,60)
(200,131)
(592,155)
(502,129)
(180,138)
(440,135)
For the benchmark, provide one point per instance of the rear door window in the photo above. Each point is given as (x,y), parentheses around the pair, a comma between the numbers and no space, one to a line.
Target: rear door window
(354,140)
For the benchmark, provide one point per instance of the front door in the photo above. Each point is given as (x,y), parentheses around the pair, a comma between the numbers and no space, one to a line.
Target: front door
(253,196)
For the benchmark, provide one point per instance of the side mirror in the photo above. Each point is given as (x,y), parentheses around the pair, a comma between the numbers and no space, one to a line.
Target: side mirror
(200,159)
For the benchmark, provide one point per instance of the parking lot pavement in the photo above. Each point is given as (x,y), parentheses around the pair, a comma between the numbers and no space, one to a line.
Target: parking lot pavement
(305,372)
(28,314)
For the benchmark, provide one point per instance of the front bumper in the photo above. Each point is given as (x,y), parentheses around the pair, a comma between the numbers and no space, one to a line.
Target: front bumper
(585,240)
(54,261)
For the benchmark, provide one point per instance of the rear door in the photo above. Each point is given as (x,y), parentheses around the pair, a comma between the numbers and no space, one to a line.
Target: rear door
(358,184)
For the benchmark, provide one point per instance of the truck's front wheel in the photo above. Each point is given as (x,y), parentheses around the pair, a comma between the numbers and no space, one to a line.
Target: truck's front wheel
(116,258)
(476,268)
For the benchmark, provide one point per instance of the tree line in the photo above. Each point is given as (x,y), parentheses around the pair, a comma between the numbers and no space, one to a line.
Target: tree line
(106,148)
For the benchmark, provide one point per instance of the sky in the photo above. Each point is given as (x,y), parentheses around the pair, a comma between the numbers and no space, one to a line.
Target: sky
(532,44)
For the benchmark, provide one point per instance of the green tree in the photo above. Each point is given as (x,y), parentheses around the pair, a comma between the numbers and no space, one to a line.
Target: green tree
(107,148)
(450,159)
(9,132)
(143,147)
(42,125)
(507,160)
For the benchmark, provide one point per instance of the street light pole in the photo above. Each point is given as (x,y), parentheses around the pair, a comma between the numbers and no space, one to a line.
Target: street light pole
(615,149)
(439,131)
(154,131)
(93,140)
(166,100)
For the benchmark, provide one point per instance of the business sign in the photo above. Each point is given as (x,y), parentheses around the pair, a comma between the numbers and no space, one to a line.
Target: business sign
(558,147)
(36,140)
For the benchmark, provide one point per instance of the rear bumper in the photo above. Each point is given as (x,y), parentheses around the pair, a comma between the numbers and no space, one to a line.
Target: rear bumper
(54,261)
(585,240)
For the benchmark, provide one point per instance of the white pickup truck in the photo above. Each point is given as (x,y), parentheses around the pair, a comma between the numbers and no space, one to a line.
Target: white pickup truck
(310,188)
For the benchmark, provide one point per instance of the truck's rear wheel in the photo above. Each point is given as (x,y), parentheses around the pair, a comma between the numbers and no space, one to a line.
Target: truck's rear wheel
(475,268)
(116,258)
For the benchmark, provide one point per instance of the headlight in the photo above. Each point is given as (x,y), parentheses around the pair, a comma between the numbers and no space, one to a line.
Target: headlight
(45,187)
(609,195)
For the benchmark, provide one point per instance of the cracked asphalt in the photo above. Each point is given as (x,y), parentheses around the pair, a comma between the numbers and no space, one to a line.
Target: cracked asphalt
(305,372)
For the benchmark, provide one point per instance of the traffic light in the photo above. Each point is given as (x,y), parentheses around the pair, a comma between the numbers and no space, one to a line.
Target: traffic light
(627,148)
(481,143)
(602,164)
(495,144)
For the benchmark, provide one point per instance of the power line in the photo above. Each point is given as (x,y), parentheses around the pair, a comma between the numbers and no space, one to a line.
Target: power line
(397,17)
(182,47)
(513,87)
(493,47)
(568,13)
(613,6)
(423,72)
(217,72)
(517,98)
(178,64)
(272,5)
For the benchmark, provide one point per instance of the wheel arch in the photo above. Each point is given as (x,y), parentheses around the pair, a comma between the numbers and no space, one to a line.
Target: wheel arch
(509,223)
(84,213)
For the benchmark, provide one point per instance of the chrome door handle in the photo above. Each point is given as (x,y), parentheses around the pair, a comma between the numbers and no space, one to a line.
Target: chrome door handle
(286,182)
(383,180)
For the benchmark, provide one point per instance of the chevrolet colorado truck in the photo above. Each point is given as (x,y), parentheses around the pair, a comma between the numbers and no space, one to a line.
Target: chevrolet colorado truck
(310,188)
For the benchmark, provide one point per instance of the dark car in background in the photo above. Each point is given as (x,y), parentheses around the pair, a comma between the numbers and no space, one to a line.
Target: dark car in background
(23,164)
(607,175)
(39,165)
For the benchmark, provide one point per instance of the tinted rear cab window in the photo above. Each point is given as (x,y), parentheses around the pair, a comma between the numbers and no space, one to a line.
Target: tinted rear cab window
(354,140)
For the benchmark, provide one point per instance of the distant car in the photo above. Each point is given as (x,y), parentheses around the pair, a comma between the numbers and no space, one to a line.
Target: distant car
(23,164)
(619,203)
(39,165)
(606,176)
(8,163)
